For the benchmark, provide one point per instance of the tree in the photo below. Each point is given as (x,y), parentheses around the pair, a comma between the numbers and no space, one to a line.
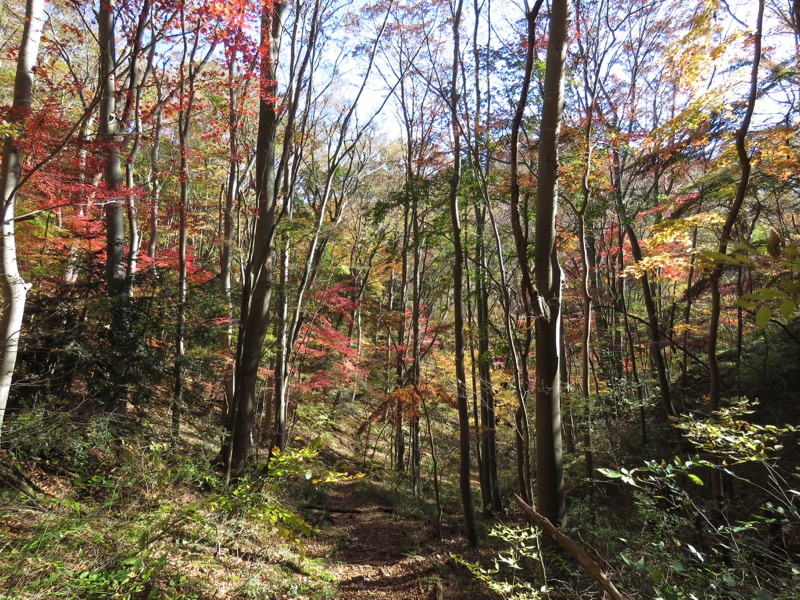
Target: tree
(330,179)
(549,473)
(413,67)
(13,286)
(733,212)
(458,282)
(529,294)
(480,161)
(108,136)
(189,69)
(257,285)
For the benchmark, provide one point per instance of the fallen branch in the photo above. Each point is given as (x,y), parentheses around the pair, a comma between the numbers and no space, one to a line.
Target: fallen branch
(331,509)
(573,549)
(14,477)
(352,511)
(219,551)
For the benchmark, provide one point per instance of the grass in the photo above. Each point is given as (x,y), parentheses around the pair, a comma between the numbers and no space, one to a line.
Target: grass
(127,518)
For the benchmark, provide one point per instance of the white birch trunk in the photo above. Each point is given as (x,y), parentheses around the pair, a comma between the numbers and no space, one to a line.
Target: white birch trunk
(14,288)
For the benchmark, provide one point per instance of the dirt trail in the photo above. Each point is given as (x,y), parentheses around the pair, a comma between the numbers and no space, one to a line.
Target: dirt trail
(376,551)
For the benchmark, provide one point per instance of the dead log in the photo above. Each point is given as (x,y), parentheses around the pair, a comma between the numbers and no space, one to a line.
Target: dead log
(571,548)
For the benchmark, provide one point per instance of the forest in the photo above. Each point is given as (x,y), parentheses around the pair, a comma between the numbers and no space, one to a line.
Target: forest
(384,299)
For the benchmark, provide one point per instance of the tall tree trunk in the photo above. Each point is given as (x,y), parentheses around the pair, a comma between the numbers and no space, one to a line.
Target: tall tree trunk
(257,285)
(416,342)
(12,286)
(189,70)
(486,428)
(488,437)
(155,181)
(458,282)
(483,476)
(282,356)
(587,328)
(109,138)
(133,104)
(654,329)
(400,371)
(687,311)
(733,213)
(185,92)
(549,466)
(231,193)
(521,244)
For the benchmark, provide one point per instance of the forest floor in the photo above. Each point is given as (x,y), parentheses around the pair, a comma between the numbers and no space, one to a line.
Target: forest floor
(90,510)
(131,519)
(87,516)
(376,550)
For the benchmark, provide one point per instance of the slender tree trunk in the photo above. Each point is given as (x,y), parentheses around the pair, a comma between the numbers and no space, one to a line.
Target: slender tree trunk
(133,104)
(587,333)
(416,342)
(400,370)
(550,473)
(180,326)
(656,355)
(529,295)
(257,285)
(108,137)
(189,70)
(483,475)
(134,248)
(185,96)
(231,192)
(282,358)
(488,437)
(12,286)
(568,420)
(435,461)
(458,282)
(486,425)
(733,213)
(155,182)
(687,312)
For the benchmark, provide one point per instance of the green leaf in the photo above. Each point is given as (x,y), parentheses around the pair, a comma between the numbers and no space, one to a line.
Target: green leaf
(766,294)
(694,478)
(610,473)
(745,303)
(763,316)
(787,308)
(719,257)
(762,595)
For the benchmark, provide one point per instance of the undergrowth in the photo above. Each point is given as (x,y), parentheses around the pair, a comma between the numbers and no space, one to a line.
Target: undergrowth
(127,517)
